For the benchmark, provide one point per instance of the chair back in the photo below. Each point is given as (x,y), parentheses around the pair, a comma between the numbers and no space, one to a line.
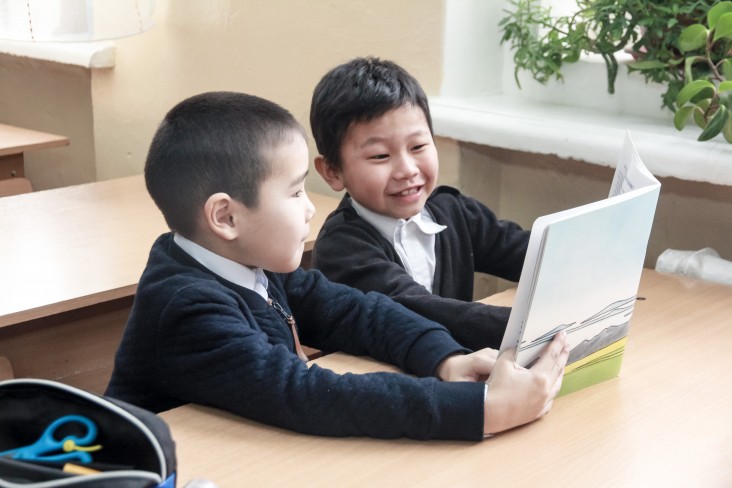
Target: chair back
(15,186)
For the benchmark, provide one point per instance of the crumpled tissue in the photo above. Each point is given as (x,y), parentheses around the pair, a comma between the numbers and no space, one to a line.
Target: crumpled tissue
(705,264)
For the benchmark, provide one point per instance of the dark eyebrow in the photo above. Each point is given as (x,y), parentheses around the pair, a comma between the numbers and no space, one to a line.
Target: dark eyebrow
(300,178)
(378,139)
(372,140)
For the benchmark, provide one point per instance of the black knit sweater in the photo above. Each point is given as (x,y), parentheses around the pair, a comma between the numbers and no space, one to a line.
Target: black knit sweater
(350,250)
(194,337)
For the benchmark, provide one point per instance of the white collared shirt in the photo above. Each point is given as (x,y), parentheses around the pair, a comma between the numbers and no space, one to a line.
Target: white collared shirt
(413,239)
(252,279)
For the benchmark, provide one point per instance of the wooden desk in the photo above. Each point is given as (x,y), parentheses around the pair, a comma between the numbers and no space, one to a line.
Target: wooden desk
(71,259)
(15,141)
(665,421)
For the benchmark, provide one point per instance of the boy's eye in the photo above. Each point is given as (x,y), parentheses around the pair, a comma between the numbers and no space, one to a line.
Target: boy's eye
(418,147)
(379,156)
(299,193)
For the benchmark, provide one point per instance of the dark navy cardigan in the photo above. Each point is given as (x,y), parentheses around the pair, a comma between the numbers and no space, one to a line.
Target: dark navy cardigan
(195,337)
(350,250)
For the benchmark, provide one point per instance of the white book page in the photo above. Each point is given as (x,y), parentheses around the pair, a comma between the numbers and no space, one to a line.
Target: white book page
(630,172)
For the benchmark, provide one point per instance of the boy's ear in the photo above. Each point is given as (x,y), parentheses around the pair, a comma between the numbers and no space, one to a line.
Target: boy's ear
(331,175)
(220,216)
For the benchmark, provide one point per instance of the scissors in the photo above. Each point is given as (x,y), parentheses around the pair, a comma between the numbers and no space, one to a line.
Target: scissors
(70,448)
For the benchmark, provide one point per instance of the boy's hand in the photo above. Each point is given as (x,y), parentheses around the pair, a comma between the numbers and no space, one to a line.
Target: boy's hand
(476,366)
(517,395)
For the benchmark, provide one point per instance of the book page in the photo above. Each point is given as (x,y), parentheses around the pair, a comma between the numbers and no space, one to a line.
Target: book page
(583,267)
(630,172)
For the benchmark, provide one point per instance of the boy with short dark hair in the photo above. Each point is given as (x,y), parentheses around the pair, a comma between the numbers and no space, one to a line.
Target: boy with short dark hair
(222,306)
(405,238)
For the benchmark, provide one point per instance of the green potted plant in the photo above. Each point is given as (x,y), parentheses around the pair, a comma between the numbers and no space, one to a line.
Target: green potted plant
(707,94)
(663,37)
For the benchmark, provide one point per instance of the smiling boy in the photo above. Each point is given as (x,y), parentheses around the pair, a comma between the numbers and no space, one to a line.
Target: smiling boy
(222,306)
(394,232)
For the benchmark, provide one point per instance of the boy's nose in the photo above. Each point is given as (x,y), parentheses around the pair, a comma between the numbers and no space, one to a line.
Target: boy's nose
(310,209)
(406,167)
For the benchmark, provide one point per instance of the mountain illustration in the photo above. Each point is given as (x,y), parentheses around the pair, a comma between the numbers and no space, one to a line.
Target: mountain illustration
(608,336)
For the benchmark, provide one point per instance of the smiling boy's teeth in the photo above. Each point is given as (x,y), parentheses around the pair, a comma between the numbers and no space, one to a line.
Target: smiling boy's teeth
(408,192)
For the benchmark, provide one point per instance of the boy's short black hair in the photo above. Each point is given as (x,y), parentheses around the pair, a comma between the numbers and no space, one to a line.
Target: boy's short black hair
(214,142)
(360,90)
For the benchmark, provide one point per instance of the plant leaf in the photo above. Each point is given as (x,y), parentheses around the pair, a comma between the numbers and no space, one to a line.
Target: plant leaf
(723,29)
(682,116)
(687,66)
(646,64)
(727,68)
(726,99)
(715,125)
(701,109)
(727,130)
(724,90)
(717,11)
(693,37)
(694,91)
(724,86)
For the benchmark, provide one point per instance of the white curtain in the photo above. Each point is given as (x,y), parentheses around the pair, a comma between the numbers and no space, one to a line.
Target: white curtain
(73,20)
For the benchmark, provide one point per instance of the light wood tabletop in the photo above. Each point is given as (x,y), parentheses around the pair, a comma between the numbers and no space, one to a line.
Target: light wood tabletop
(665,421)
(15,141)
(71,247)
(71,259)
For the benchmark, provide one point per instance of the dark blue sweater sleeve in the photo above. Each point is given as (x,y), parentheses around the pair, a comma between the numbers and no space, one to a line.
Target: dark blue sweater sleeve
(336,317)
(210,350)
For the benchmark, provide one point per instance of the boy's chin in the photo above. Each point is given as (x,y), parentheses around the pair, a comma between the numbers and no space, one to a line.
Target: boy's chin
(407,210)
(288,267)
(407,213)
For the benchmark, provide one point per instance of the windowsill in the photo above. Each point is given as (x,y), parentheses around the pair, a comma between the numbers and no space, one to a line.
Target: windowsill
(86,54)
(583,134)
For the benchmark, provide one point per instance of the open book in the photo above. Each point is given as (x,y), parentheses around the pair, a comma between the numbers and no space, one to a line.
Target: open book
(581,274)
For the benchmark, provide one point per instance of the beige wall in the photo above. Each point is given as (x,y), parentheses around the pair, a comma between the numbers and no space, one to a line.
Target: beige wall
(277,50)
(274,49)
(55,98)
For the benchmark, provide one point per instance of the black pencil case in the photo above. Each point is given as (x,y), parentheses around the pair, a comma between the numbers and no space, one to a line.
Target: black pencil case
(130,447)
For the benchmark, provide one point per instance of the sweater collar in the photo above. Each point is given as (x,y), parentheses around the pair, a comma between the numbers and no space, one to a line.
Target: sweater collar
(251,279)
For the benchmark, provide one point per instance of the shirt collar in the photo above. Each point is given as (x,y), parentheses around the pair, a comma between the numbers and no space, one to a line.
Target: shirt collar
(252,279)
(387,225)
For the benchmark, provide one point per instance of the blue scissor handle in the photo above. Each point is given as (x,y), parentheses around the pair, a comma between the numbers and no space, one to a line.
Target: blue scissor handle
(71,447)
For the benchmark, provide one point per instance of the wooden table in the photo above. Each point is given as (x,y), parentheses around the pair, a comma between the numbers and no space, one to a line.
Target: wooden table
(665,421)
(71,259)
(15,141)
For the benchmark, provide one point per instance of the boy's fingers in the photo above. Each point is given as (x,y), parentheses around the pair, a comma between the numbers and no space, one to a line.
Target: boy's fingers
(554,357)
(483,364)
(507,355)
(486,356)
(491,353)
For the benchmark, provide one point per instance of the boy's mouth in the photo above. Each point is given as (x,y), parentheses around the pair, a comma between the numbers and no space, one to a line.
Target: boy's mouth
(409,191)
